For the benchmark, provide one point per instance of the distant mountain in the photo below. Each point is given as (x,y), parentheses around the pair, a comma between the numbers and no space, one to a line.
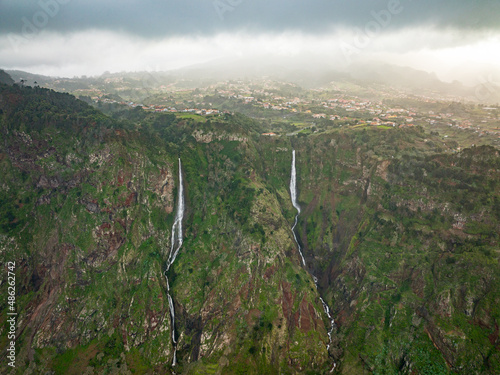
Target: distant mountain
(370,76)
(5,78)
(30,78)
(421,82)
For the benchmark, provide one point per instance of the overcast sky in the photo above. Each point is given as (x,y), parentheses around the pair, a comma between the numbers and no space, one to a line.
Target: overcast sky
(457,39)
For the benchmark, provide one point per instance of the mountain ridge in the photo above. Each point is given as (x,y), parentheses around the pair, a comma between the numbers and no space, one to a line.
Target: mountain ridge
(369,74)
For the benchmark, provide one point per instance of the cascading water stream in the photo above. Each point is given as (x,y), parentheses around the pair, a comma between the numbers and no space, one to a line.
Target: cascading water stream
(293,195)
(174,250)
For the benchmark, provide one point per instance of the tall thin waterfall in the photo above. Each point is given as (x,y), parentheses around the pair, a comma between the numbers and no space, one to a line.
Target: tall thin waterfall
(293,195)
(174,250)
(177,227)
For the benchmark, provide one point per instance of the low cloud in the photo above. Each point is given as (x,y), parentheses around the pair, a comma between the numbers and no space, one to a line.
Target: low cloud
(454,38)
(451,54)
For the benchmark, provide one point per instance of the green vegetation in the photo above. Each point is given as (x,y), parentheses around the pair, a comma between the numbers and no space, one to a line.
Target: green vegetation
(401,234)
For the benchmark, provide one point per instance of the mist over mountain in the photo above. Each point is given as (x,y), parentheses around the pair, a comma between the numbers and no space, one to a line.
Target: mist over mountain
(320,74)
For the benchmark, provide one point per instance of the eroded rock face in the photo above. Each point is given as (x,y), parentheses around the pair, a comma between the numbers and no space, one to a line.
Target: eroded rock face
(382,169)
(164,189)
(106,285)
(396,240)
(408,265)
(202,137)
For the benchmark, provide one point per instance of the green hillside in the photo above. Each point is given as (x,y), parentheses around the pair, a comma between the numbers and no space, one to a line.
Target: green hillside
(403,240)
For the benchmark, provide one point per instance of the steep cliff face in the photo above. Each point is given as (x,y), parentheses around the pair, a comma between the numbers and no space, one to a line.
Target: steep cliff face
(246,303)
(87,210)
(404,243)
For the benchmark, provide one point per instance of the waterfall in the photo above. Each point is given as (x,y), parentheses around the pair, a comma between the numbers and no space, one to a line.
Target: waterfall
(174,250)
(293,195)
(332,321)
(177,227)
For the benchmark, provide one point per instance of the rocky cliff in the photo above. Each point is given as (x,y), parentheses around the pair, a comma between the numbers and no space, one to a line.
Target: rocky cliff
(404,243)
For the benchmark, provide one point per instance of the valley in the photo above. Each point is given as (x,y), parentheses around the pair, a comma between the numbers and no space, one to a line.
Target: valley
(336,231)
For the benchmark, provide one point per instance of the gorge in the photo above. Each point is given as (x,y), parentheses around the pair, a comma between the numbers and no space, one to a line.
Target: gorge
(176,244)
(396,269)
